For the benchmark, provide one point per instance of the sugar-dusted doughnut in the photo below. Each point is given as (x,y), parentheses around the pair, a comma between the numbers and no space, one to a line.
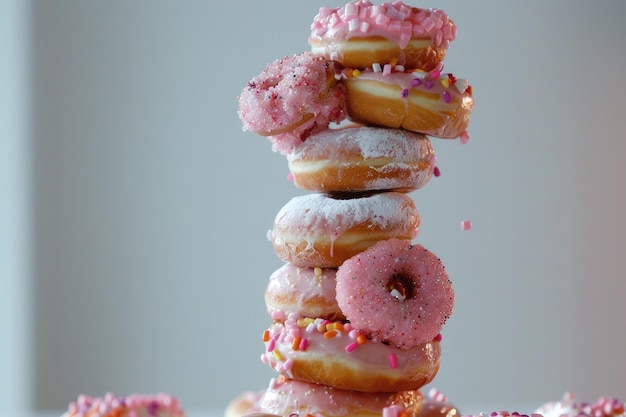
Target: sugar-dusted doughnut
(360,34)
(338,355)
(288,397)
(306,291)
(318,230)
(136,405)
(362,159)
(395,292)
(291,98)
(431,103)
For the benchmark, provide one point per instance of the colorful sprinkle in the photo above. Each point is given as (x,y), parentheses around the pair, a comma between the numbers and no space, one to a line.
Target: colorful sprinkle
(466,225)
(436,171)
(464,137)
(446,96)
(404,93)
(393,360)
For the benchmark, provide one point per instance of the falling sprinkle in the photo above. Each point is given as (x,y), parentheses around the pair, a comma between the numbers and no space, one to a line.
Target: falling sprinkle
(436,171)
(464,138)
(466,225)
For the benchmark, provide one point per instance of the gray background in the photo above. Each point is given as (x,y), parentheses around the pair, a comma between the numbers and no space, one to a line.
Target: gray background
(135,209)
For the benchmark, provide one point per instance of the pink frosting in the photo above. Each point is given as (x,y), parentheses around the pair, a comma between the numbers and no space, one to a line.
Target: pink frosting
(395,21)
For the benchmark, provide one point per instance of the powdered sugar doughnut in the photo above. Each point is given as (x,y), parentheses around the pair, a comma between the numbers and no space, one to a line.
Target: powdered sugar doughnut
(336,354)
(291,98)
(395,292)
(318,230)
(362,159)
(360,34)
(309,292)
(159,405)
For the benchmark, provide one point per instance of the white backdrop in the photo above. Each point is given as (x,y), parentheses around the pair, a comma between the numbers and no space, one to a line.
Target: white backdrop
(150,206)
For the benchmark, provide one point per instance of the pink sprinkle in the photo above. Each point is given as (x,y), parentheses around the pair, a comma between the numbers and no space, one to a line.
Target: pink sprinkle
(351,347)
(393,360)
(271,345)
(387,69)
(416,82)
(392,411)
(438,338)
(404,93)
(446,96)
(432,161)
(436,172)
(288,364)
(428,84)
(464,137)
(435,73)
(290,177)
(304,343)
(466,225)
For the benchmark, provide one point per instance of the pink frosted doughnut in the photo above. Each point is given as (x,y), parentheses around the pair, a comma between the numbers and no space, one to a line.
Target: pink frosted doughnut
(569,406)
(395,292)
(306,291)
(335,354)
(291,98)
(159,405)
(361,34)
(318,230)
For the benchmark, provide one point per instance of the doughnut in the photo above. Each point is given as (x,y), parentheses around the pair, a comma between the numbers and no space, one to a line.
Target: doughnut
(288,397)
(335,354)
(568,406)
(306,291)
(318,230)
(434,404)
(395,292)
(434,104)
(360,34)
(291,98)
(362,159)
(137,405)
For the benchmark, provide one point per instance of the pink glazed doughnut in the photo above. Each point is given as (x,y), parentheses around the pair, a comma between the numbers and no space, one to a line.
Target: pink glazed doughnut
(291,98)
(137,405)
(361,34)
(395,292)
(309,292)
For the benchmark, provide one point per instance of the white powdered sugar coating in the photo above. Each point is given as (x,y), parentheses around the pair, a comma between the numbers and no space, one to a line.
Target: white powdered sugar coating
(315,214)
(369,142)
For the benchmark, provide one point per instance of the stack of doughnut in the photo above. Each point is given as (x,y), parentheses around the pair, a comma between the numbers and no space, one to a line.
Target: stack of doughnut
(358,307)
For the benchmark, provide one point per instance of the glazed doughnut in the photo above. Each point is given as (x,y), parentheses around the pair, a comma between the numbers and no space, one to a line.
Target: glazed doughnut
(135,405)
(360,34)
(291,98)
(335,354)
(318,230)
(306,291)
(395,292)
(362,159)
(288,397)
(435,404)
(430,103)
(243,404)
(568,406)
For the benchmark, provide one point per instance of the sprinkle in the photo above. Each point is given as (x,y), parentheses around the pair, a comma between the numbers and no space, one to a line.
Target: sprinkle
(295,345)
(331,334)
(266,336)
(436,171)
(466,225)
(376,67)
(419,74)
(404,93)
(416,82)
(351,347)
(393,360)
(464,137)
(356,72)
(277,355)
(393,62)
(399,68)
(446,96)
(445,82)
(428,84)
(387,69)
(397,295)
(432,161)
(435,73)
(438,338)
(304,343)
(360,339)
(271,344)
